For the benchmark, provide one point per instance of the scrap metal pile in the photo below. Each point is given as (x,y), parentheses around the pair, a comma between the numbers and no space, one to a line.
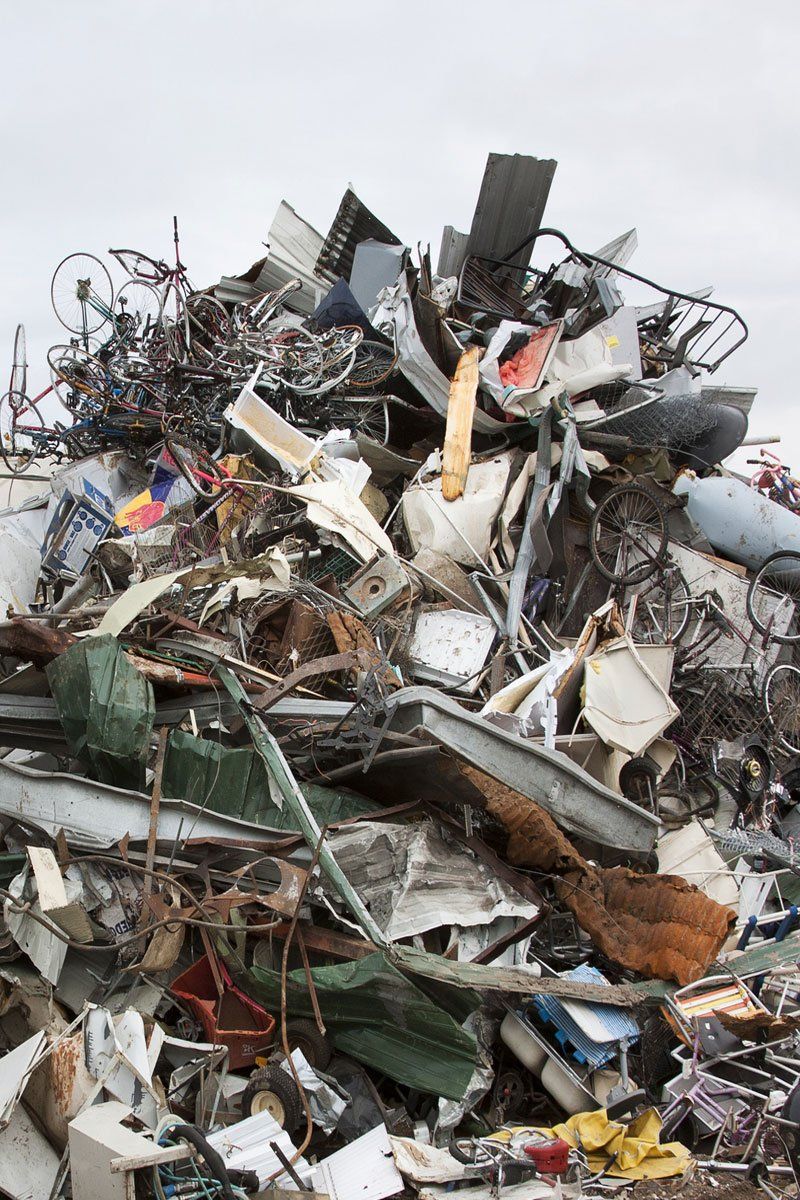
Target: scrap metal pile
(401,717)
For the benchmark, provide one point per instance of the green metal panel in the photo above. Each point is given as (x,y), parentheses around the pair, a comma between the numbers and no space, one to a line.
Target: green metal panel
(235,782)
(106,708)
(376,1015)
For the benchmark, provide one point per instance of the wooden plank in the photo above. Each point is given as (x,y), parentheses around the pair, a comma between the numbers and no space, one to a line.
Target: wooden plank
(458,432)
(158,1155)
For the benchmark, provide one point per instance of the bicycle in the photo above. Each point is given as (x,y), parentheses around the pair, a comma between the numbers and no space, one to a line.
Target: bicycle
(775,481)
(180,308)
(628,534)
(778,682)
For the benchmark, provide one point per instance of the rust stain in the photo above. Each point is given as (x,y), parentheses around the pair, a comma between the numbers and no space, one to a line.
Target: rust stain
(64,1062)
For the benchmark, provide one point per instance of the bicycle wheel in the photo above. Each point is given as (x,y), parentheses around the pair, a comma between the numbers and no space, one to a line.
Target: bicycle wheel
(254,314)
(663,606)
(194,464)
(209,324)
(141,266)
(174,322)
(374,363)
(628,534)
(21,432)
(781,697)
(295,359)
(773,598)
(369,416)
(141,301)
(80,371)
(19,367)
(82,293)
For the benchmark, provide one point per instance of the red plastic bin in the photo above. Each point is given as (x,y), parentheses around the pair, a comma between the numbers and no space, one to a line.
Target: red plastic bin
(229,1017)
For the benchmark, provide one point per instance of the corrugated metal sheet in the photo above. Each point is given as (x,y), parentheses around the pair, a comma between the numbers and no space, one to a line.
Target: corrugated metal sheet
(521,980)
(352,224)
(373,1013)
(413,879)
(452,252)
(364,1170)
(738,397)
(293,249)
(511,204)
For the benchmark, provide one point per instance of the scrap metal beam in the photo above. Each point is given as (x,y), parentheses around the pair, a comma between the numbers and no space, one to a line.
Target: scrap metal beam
(577,802)
(95,816)
(272,755)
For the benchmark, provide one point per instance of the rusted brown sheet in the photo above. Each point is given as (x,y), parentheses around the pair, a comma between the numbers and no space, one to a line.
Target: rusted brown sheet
(657,925)
(324,941)
(32,641)
(285,898)
(752,1027)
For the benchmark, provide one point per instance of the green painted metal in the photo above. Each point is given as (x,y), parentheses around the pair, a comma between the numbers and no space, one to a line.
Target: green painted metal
(106,708)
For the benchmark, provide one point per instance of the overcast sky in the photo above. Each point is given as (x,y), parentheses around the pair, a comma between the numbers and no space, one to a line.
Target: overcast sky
(682,122)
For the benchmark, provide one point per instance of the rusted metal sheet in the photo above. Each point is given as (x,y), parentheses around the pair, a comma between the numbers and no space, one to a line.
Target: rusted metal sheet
(327,665)
(33,641)
(658,925)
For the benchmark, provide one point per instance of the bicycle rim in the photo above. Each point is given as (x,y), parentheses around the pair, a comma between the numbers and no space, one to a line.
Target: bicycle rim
(781,695)
(140,266)
(141,301)
(80,371)
(176,330)
(189,460)
(19,369)
(773,599)
(20,422)
(369,417)
(373,364)
(78,281)
(628,535)
(663,607)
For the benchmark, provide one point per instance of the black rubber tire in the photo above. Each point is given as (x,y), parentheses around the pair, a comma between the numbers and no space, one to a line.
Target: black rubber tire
(635,769)
(268,1085)
(303,1034)
(464,1151)
(214,1160)
(654,515)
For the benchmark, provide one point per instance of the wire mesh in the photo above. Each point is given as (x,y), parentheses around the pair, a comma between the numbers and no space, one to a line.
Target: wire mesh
(717,706)
(651,419)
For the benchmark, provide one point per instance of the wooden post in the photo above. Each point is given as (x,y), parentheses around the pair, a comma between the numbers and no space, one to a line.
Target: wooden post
(458,433)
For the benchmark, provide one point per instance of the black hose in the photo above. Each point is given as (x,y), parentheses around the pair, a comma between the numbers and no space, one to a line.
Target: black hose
(188,1133)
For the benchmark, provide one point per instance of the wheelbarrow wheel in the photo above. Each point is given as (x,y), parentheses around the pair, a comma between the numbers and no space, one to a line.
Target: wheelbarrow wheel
(273,1090)
(304,1036)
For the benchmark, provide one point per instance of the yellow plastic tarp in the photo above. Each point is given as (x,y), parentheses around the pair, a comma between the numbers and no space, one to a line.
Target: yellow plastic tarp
(640,1154)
